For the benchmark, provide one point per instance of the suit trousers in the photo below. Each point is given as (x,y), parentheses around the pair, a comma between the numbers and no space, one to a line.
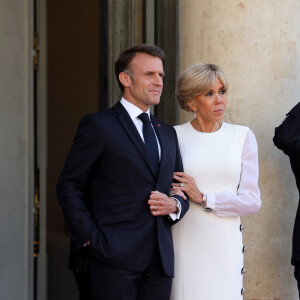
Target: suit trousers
(83,282)
(114,284)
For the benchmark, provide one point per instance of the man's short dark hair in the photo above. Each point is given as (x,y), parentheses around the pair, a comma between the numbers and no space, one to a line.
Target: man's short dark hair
(125,58)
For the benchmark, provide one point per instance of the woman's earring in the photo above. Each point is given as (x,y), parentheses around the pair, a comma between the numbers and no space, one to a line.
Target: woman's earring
(195,116)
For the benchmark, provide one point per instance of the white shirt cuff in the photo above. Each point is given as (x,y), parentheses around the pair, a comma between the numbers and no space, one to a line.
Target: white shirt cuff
(176,216)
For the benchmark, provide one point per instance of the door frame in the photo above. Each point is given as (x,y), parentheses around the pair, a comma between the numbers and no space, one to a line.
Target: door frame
(41,148)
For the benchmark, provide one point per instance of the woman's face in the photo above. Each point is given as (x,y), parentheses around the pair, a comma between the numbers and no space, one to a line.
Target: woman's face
(210,107)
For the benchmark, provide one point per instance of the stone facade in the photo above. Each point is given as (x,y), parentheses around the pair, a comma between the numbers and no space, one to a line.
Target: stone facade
(256,43)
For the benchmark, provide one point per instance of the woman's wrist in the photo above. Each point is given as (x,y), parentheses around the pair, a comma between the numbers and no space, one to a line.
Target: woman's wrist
(199,200)
(204,203)
(204,199)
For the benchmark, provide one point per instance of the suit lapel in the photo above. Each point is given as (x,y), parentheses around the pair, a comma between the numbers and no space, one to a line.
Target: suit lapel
(132,132)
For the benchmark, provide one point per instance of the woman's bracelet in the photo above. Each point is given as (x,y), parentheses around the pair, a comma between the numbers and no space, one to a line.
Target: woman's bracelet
(204,199)
(203,203)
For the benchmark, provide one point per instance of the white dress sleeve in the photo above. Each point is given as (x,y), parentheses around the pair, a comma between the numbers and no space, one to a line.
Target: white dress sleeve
(247,200)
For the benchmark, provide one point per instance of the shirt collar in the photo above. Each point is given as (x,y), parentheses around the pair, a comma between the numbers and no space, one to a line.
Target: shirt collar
(132,110)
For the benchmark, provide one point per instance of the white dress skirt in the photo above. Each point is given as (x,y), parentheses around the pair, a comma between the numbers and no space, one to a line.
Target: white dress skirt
(208,245)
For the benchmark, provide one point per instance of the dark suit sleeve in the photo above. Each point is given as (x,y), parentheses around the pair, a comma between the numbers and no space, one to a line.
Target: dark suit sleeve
(287,135)
(71,187)
(179,168)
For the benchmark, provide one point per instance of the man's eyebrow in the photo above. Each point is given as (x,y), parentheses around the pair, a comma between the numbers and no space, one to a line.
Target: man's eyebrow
(152,72)
(161,74)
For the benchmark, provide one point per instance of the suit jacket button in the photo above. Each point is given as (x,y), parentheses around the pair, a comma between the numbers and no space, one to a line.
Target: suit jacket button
(243,271)
(241,227)
(244,249)
(243,291)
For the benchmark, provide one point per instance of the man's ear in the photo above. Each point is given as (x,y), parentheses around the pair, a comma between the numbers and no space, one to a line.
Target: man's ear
(125,79)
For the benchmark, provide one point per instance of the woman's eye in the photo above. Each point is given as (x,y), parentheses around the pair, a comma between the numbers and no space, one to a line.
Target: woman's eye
(209,94)
(222,92)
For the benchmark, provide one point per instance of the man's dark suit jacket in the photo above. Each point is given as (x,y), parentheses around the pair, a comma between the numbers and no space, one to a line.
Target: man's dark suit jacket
(287,138)
(105,185)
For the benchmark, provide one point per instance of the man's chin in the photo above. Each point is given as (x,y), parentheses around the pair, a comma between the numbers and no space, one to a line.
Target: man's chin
(155,101)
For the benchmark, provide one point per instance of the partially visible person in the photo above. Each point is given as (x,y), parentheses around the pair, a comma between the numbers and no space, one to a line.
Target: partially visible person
(287,139)
(220,178)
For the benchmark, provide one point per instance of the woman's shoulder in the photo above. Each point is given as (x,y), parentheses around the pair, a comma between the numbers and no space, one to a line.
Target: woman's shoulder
(182,127)
(239,132)
(236,128)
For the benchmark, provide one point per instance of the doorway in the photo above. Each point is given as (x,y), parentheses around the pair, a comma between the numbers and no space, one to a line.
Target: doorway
(78,79)
(72,84)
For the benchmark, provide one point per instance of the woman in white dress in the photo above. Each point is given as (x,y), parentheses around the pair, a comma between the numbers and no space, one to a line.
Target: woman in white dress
(221,180)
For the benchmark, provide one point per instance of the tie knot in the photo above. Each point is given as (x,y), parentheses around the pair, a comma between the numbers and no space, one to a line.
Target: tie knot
(144,117)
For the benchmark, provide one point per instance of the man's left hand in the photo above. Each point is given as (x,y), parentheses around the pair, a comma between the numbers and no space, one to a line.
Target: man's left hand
(161,205)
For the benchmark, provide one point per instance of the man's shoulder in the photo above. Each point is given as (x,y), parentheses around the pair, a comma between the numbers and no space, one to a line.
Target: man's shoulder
(100,116)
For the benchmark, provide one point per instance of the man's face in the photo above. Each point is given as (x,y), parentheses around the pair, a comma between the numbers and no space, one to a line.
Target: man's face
(146,81)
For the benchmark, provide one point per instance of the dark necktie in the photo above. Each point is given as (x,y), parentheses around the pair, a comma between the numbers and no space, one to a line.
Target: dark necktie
(150,141)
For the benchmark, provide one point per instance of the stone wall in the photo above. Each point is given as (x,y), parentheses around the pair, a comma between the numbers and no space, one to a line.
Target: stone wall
(16,181)
(256,43)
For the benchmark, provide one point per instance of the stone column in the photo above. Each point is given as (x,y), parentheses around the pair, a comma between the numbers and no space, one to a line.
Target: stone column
(256,43)
(167,38)
(120,37)
(16,151)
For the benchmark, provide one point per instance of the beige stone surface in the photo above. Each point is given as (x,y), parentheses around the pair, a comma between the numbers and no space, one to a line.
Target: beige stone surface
(16,150)
(257,44)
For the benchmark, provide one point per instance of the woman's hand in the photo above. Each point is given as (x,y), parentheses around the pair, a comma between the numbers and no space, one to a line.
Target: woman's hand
(177,191)
(187,184)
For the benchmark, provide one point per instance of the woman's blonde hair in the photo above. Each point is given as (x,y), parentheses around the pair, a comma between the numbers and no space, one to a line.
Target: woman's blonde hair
(197,80)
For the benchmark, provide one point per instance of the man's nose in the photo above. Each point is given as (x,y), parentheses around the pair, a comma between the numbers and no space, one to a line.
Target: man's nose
(158,80)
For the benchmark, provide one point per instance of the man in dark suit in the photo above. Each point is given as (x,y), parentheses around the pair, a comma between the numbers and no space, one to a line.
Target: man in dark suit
(114,187)
(287,139)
